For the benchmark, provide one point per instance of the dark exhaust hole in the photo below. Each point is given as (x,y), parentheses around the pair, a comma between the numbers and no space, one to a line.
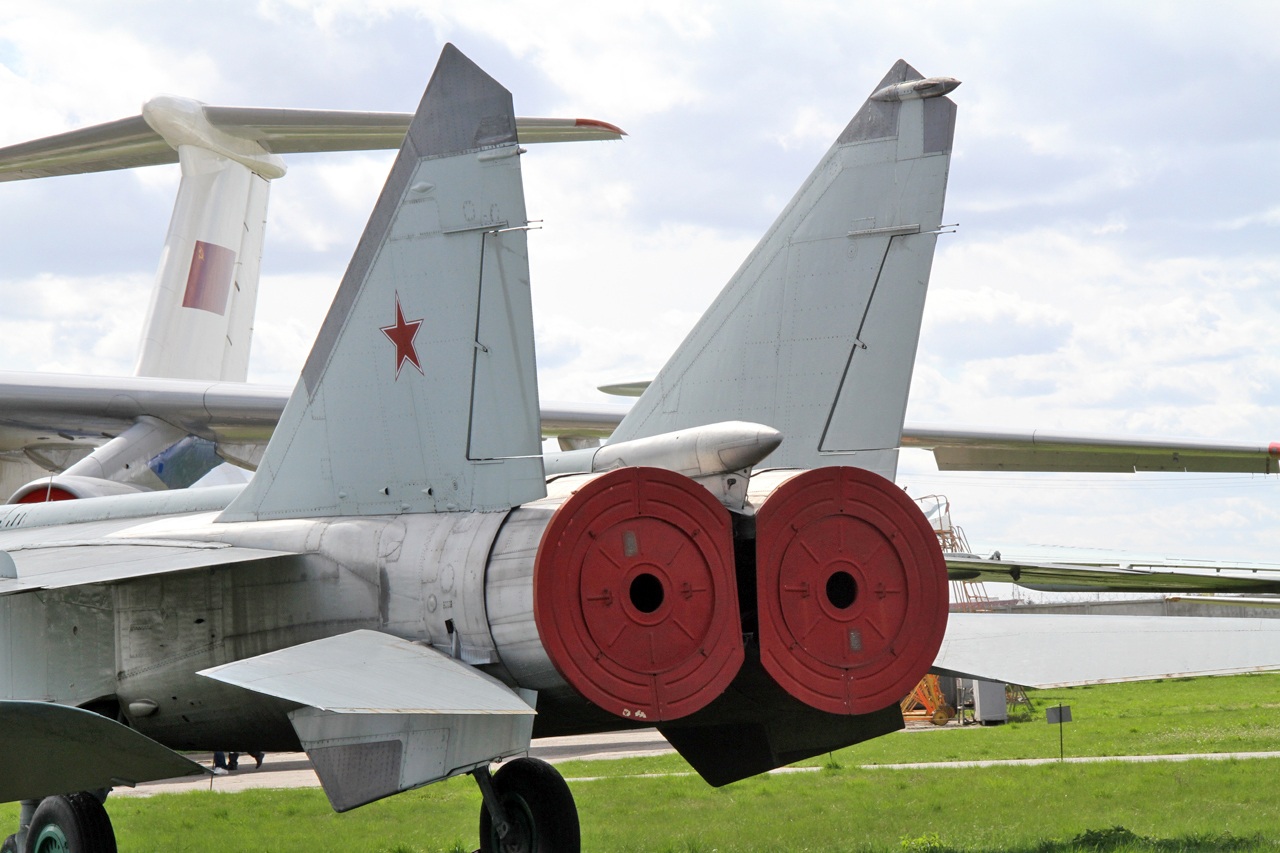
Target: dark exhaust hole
(646,593)
(842,590)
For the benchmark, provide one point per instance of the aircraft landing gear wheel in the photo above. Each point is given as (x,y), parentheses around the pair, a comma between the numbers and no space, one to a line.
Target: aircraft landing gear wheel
(539,806)
(74,823)
(10,845)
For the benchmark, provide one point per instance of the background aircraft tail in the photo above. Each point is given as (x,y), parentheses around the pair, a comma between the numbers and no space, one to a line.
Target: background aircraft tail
(420,392)
(200,319)
(815,334)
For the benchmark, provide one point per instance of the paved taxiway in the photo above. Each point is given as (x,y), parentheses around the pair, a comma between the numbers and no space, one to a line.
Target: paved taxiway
(293,769)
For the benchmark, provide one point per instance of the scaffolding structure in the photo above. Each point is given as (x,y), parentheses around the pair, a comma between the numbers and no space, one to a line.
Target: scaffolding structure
(966,596)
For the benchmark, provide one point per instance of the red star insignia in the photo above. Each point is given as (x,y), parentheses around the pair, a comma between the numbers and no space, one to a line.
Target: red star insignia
(402,335)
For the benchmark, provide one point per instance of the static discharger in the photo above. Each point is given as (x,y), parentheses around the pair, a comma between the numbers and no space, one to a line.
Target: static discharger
(929,87)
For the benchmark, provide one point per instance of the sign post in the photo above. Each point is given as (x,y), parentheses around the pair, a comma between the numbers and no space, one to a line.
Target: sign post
(1061,714)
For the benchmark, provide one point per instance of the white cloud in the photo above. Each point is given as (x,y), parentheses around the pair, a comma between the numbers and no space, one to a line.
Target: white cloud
(1114,271)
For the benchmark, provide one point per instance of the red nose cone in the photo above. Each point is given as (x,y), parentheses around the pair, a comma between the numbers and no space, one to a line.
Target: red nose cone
(635,597)
(852,590)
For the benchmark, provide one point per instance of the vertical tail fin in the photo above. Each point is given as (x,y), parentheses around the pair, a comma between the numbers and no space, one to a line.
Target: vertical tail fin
(420,392)
(200,320)
(815,335)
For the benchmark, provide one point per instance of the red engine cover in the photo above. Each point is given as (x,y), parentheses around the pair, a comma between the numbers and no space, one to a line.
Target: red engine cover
(634,594)
(852,590)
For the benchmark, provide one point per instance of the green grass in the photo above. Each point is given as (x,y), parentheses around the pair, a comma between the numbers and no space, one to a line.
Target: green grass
(1092,808)
(1189,715)
(1196,806)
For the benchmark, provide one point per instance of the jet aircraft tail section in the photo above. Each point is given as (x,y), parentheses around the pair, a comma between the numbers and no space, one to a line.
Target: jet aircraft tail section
(420,393)
(815,335)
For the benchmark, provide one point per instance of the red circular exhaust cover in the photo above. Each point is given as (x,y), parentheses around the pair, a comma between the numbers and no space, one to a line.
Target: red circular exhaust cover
(634,594)
(852,590)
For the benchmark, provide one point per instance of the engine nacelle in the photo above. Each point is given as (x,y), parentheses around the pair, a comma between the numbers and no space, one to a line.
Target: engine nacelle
(67,487)
(621,588)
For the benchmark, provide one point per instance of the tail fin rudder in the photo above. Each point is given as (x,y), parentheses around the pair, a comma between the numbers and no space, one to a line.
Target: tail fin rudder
(815,335)
(420,392)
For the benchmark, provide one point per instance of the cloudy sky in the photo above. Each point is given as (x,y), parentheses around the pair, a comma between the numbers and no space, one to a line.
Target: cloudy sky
(1115,180)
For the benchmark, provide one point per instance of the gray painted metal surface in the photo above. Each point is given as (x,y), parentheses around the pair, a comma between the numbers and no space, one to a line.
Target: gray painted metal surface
(987,449)
(117,507)
(420,393)
(368,672)
(58,565)
(816,333)
(386,554)
(62,750)
(39,407)
(385,715)
(1062,577)
(1061,651)
(365,757)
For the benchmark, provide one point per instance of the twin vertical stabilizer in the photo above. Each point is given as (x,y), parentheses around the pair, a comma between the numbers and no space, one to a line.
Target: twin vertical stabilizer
(420,394)
(815,335)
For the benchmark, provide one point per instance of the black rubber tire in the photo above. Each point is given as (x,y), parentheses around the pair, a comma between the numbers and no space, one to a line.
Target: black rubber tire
(10,845)
(82,819)
(533,792)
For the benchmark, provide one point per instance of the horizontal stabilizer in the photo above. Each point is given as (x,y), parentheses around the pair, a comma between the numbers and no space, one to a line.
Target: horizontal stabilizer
(56,749)
(129,143)
(1045,650)
(1059,577)
(987,449)
(385,715)
(368,672)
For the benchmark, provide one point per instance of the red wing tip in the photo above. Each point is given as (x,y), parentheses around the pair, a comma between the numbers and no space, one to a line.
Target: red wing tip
(592,122)
(1273,450)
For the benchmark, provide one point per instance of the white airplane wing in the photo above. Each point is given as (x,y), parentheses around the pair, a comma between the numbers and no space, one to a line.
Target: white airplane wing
(132,142)
(975,448)
(986,449)
(1064,577)
(1045,650)
(58,565)
(49,417)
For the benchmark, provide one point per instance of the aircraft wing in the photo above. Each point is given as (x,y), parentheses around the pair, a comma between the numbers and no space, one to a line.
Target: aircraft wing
(408,713)
(130,142)
(51,418)
(1044,650)
(62,563)
(1063,577)
(985,449)
(63,749)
